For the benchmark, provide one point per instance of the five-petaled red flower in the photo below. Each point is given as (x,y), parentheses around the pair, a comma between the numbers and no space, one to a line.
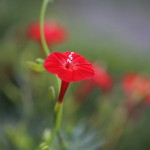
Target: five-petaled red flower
(54,32)
(69,67)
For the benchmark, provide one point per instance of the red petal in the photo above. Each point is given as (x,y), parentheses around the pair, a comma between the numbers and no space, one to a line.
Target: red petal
(54,63)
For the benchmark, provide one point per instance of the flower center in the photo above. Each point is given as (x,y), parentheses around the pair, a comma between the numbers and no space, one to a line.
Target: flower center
(69,64)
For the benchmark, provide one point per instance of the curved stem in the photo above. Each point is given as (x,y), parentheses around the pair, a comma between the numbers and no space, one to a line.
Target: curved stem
(42,15)
(43,41)
(58,109)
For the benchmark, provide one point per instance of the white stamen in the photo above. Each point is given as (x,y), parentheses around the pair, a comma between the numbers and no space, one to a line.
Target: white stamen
(70,57)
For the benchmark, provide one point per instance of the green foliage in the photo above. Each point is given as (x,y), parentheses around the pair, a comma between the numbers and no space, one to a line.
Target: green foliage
(38,67)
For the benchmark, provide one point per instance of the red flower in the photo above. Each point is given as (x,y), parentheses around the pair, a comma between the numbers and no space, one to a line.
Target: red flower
(137,88)
(54,32)
(147,100)
(102,78)
(128,82)
(69,67)
(136,84)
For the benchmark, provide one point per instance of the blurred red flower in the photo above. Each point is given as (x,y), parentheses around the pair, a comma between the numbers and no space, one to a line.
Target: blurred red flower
(69,67)
(137,87)
(147,100)
(54,32)
(136,84)
(101,79)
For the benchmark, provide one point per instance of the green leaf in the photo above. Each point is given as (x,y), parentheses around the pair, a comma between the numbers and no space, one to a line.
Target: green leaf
(38,67)
(40,60)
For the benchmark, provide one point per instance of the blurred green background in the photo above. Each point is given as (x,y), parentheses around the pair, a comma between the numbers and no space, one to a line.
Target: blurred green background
(112,32)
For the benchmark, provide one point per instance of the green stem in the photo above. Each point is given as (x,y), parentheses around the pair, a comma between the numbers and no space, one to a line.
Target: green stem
(58,109)
(43,41)
(57,122)
(61,142)
(58,83)
(42,15)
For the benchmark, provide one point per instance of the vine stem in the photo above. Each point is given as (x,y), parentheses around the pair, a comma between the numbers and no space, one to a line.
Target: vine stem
(58,110)
(42,15)
(43,41)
